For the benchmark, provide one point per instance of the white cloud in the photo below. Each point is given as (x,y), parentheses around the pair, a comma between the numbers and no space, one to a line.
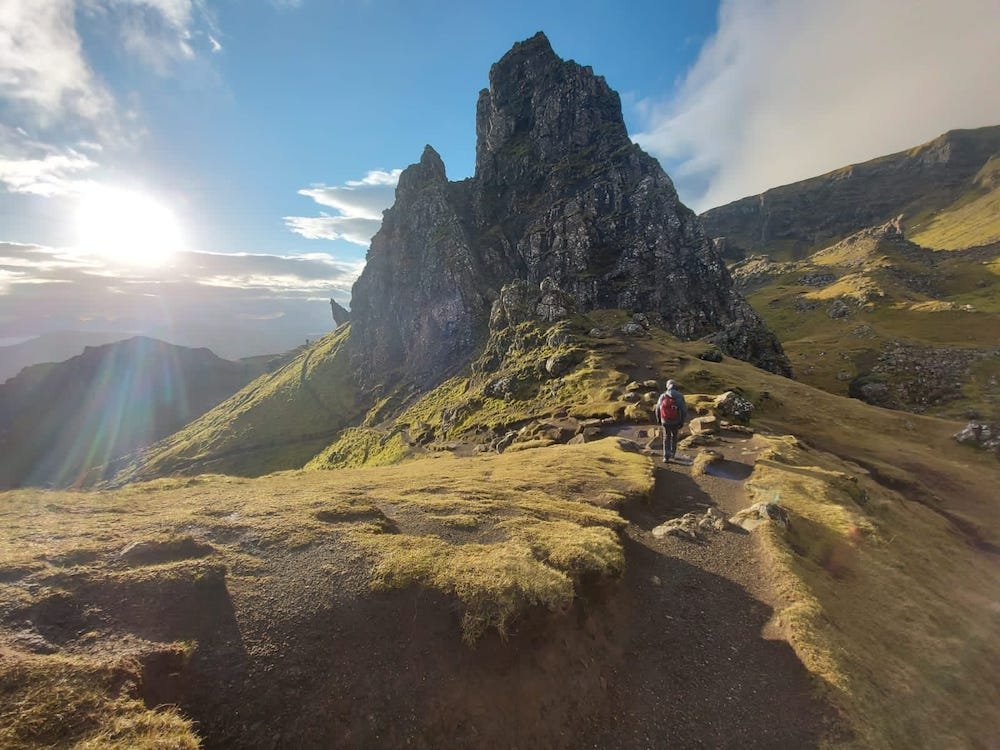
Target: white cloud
(42,65)
(54,173)
(788,89)
(45,74)
(324,227)
(360,204)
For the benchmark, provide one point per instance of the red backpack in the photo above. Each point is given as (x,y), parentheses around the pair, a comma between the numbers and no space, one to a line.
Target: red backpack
(668,409)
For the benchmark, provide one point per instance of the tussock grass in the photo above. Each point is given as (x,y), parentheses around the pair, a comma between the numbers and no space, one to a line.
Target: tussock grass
(883,602)
(545,515)
(69,701)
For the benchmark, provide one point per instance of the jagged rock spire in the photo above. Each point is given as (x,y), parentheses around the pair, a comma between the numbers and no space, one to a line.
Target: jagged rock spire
(559,192)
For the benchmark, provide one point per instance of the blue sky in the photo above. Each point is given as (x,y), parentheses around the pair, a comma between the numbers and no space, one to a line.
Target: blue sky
(115,114)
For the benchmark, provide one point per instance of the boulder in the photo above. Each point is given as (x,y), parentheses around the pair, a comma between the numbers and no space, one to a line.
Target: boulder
(704,425)
(838,309)
(712,354)
(752,517)
(562,362)
(696,441)
(691,526)
(733,406)
(633,329)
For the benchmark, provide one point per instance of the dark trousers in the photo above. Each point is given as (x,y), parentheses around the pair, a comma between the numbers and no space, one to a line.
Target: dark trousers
(669,439)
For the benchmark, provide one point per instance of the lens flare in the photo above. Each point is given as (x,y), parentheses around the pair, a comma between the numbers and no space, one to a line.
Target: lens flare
(127,227)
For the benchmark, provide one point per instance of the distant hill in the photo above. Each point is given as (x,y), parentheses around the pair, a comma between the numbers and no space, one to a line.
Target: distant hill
(279,421)
(880,318)
(57,346)
(58,421)
(946,190)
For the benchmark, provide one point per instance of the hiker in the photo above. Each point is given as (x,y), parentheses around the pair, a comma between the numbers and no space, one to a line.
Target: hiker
(671,412)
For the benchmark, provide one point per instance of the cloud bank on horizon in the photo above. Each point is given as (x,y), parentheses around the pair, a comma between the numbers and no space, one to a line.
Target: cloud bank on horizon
(786,90)
(238,304)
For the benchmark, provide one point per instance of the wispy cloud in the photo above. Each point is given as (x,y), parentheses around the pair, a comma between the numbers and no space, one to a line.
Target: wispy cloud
(49,87)
(787,89)
(359,204)
(43,71)
(35,168)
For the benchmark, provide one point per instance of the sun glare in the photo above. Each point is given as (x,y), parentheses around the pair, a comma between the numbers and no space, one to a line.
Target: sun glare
(127,227)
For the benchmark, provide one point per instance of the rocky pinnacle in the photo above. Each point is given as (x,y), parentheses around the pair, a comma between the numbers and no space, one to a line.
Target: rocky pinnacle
(559,192)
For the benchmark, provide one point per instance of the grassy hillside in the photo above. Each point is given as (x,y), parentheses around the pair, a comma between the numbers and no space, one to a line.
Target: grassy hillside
(943,189)
(129,579)
(881,602)
(885,590)
(279,421)
(882,318)
(973,219)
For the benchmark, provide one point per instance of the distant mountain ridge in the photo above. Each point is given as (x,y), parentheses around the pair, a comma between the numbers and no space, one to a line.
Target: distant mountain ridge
(60,421)
(946,190)
(56,346)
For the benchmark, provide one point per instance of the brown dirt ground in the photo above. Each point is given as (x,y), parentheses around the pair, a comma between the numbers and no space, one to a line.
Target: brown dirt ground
(303,654)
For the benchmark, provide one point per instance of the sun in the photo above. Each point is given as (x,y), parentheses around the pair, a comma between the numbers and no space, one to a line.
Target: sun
(128,227)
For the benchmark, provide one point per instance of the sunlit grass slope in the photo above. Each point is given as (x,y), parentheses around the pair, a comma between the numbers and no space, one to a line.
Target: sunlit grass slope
(277,422)
(942,306)
(467,407)
(84,703)
(973,219)
(883,602)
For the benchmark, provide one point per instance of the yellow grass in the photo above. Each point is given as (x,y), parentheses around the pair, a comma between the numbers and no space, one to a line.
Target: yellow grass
(883,602)
(84,704)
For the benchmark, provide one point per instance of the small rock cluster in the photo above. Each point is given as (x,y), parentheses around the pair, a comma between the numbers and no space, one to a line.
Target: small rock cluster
(692,526)
(732,405)
(980,435)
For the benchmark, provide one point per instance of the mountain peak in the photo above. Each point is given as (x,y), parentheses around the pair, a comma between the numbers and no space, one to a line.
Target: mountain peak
(560,196)
(539,108)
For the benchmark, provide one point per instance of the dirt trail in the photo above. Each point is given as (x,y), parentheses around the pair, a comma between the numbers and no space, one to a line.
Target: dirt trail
(299,652)
(700,671)
(681,663)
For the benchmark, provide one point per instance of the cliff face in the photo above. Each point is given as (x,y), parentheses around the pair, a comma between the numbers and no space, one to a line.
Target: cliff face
(793,220)
(559,192)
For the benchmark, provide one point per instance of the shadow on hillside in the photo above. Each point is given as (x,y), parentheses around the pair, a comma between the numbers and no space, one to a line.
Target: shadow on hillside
(631,665)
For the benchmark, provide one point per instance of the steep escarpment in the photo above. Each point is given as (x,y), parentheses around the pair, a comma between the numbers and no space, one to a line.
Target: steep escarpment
(559,192)
(939,188)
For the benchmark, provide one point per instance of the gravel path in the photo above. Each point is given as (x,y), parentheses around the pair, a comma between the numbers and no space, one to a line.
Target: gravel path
(701,673)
